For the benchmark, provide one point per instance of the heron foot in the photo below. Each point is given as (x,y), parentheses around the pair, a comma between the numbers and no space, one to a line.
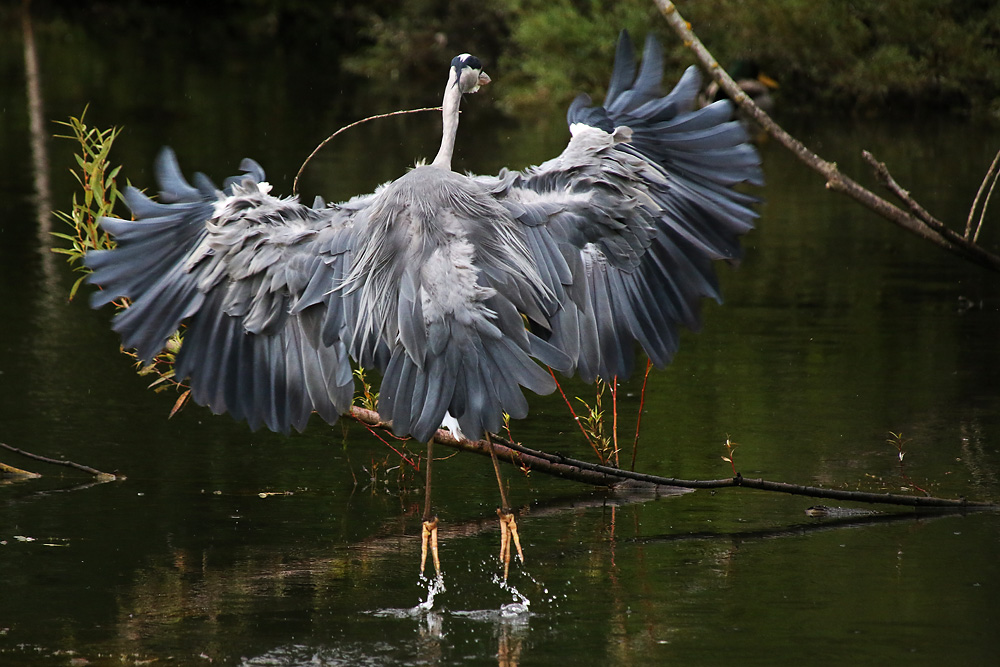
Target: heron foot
(429,538)
(508,535)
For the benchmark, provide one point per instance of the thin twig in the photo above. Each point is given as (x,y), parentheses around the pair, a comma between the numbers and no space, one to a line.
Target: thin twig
(385,442)
(990,174)
(101,476)
(986,203)
(295,183)
(569,405)
(638,419)
(897,441)
(835,180)
(883,175)
(614,416)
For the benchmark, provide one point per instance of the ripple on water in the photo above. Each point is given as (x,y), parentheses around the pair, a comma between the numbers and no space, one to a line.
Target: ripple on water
(518,608)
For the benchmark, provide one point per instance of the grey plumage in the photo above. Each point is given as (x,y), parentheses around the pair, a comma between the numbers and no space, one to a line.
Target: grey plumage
(431,278)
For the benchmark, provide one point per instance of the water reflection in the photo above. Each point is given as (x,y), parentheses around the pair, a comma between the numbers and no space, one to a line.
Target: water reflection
(834,332)
(191,587)
(39,144)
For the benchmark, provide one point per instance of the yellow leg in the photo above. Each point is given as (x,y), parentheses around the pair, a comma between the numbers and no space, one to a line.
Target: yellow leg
(508,535)
(429,533)
(429,538)
(508,526)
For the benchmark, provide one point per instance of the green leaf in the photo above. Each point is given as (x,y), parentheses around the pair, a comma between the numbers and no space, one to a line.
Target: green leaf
(76,286)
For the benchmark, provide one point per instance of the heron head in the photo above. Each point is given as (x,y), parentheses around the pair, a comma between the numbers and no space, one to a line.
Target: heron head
(469,73)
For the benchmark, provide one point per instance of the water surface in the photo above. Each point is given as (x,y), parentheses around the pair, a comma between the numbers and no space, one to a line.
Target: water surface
(837,330)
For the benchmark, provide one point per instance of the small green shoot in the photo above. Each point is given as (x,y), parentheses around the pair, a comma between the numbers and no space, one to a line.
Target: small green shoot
(730,456)
(366,398)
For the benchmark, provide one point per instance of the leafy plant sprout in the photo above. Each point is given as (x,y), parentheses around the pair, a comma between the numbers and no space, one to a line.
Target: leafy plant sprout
(730,456)
(898,442)
(97,178)
(592,422)
(367,397)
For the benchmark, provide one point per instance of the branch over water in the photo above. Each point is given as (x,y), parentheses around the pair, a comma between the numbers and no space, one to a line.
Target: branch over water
(101,476)
(575,470)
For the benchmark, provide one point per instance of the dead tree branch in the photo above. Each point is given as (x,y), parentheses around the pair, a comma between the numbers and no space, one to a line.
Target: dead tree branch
(886,179)
(991,175)
(927,228)
(594,474)
(101,476)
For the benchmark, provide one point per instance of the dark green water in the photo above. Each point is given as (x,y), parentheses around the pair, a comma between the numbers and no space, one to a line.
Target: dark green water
(836,330)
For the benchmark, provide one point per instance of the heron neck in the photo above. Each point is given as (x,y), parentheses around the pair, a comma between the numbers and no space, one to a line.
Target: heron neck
(449,117)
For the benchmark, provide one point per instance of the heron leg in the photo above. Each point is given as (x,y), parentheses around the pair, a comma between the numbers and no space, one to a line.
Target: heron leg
(508,526)
(428,533)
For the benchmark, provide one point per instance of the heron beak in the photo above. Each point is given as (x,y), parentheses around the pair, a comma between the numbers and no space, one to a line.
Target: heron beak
(484,78)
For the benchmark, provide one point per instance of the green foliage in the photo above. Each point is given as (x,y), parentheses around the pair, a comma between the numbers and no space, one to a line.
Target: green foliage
(411,41)
(96,177)
(864,54)
(859,55)
(560,47)
(594,427)
(366,398)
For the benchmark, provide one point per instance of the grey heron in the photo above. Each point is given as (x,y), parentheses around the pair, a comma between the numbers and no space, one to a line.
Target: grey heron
(455,286)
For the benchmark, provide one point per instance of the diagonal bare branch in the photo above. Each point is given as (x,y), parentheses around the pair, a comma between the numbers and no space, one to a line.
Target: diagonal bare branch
(836,181)
(886,179)
(991,174)
(101,476)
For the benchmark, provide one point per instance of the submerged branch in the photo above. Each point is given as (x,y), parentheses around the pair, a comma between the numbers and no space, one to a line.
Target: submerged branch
(101,476)
(595,474)
(8,471)
(937,234)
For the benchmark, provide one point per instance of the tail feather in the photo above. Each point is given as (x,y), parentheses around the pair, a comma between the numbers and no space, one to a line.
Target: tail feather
(479,376)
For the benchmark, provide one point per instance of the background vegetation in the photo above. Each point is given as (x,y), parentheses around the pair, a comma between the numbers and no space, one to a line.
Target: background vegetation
(858,56)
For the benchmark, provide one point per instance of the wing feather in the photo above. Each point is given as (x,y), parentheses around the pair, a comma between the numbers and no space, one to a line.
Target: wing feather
(625,224)
(454,286)
(253,277)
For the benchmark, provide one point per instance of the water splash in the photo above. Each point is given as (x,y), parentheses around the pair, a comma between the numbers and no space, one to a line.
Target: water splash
(519,605)
(434,587)
(548,598)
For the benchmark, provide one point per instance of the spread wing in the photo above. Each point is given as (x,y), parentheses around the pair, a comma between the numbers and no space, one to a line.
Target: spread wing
(253,277)
(626,223)
(618,237)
